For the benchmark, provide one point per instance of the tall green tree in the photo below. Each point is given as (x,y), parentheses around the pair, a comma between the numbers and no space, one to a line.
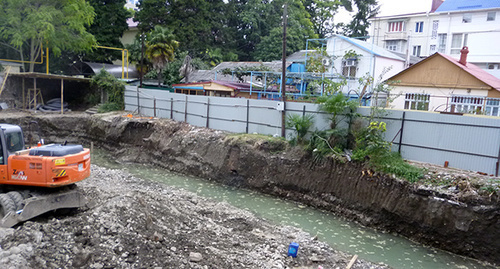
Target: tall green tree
(59,24)
(160,48)
(321,13)
(250,21)
(358,27)
(198,24)
(109,24)
(299,28)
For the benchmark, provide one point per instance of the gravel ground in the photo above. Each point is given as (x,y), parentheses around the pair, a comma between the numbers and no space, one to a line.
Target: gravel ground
(133,223)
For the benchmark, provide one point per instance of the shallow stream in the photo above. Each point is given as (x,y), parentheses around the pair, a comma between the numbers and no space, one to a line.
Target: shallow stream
(350,237)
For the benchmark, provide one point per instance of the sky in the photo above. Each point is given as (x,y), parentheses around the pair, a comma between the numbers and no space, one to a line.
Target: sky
(391,7)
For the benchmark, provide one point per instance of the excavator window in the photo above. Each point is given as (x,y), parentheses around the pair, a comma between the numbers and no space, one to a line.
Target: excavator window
(1,154)
(14,141)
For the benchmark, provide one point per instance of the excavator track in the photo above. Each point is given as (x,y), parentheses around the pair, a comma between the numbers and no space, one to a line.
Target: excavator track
(17,207)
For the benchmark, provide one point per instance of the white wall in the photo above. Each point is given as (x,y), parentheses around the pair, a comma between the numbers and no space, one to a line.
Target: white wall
(367,63)
(439,100)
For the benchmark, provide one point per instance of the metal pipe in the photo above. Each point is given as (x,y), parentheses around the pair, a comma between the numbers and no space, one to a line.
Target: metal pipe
(27,62)
(123,62)
(47,56)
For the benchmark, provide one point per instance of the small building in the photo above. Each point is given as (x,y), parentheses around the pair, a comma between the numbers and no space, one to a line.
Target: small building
(353,58)
(128,36)
(230,89)
(445,84)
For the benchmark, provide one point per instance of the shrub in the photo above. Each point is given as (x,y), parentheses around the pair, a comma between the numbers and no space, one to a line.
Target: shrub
(371,146)
(301,125)
(114,89)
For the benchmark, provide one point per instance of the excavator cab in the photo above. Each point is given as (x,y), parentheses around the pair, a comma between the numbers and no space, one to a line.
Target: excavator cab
(11,141)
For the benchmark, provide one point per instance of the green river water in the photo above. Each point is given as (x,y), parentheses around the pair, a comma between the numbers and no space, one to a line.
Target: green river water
(367,243)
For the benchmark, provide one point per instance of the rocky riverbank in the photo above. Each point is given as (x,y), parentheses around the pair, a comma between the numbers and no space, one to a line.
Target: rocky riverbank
(134,223)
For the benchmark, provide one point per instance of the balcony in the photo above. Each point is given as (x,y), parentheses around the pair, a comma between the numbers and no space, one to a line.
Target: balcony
(396,36)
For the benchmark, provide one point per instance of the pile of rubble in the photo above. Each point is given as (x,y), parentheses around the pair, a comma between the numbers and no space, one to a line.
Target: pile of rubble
(133,223)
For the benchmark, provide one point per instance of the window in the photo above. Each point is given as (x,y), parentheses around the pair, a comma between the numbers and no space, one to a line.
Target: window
(396,26)
(14,141)
(467,18)
(349,67)
(442,42)
(474,105)
(416,50)
(458,41)
(419,27)
(467,104)
(432,49)
(492,107)
(435,26)
(491,16)
(417,101)
(393,45)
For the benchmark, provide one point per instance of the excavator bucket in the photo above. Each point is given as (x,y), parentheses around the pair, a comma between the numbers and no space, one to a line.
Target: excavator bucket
(36,206)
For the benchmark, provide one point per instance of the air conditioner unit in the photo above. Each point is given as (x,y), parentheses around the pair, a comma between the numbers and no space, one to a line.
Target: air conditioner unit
(350,62)
(326,62)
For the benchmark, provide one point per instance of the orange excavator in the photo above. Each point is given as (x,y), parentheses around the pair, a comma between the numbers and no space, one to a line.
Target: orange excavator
(40,179)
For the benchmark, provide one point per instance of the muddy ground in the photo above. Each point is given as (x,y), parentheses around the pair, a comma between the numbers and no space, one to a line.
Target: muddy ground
(133,223)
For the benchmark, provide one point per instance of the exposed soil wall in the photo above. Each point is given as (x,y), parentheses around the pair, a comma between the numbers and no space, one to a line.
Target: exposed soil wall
(466,224)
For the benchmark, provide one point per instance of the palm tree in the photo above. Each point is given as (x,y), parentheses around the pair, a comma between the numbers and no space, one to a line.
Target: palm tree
(160,48)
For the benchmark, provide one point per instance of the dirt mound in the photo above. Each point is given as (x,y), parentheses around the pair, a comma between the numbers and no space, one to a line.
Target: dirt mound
(133,223)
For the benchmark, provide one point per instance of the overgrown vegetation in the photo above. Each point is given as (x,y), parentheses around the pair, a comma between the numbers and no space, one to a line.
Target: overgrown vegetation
(301,125)
(110,88)
(371,147)
(352,137)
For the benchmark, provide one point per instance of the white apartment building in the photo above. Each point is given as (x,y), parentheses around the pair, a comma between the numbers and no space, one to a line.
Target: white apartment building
(445,28)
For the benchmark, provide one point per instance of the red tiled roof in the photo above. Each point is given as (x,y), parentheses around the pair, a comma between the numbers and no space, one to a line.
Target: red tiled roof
(233,85)
(189,84)
(475,71)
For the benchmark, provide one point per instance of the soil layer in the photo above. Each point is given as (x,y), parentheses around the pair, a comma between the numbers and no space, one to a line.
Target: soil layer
(460,219)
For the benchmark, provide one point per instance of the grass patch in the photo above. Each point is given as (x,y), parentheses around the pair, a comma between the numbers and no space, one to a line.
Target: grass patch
(264,142)
(392,163)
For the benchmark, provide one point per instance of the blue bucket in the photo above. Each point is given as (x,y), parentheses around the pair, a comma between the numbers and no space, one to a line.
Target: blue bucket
(293,248)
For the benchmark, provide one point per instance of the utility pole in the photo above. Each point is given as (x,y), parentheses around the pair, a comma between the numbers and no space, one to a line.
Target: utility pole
(283,73)
(142,59)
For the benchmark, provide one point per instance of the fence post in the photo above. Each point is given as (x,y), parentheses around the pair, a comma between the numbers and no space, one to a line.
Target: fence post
(303,111)
(248,115)
(283,119)
(208,110)
(498,163)
(186,109)
(154,107)
(401,133)
(171,108)
(138,103)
